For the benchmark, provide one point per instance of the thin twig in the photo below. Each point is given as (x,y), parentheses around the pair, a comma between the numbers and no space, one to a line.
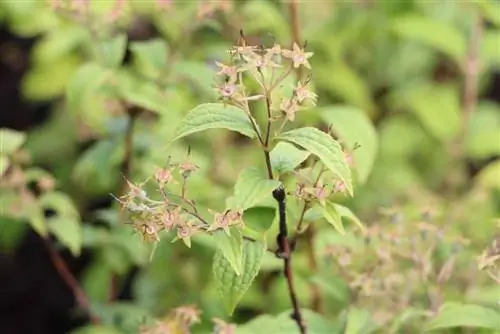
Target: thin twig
(295,27)
(70,280)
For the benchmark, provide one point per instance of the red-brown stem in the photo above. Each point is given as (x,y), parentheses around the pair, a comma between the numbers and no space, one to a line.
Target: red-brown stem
(471,72)
(70,280)
(295,27)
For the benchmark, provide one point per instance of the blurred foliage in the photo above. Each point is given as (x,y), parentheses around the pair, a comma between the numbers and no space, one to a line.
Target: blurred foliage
(391,78)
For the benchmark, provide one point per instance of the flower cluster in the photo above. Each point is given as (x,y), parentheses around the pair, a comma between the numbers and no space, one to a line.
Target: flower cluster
(269,67)
(172,212)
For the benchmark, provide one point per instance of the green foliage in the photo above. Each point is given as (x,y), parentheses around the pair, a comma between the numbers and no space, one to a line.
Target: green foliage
(232,286)
(323,146)
(465,315)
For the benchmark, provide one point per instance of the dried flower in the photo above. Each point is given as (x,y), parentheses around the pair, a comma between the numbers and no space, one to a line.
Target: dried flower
(302,93)
(340,187)
(170,218)
(188,314)
(231,72)
(164,176)
(221,327)
(225,220)
(298,56)
(289,107)
(187,167)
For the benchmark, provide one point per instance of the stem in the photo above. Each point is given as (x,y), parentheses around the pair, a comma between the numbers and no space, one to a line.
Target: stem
(70,280)
(295,27)
(284,251)
(471,72)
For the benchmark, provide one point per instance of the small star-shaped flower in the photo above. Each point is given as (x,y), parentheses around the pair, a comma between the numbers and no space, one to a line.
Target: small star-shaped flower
(298,56)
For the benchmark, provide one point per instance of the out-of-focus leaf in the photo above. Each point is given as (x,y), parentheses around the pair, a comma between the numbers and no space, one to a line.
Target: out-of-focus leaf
(68,231)
(271,20)
(96,329)
(60,202)
(333,217)
(49,80)
(231,247)
(111,50)
(286,157)
(10,141)
(324,147)
(251,188)
(438,108)
(12,233)
(151,56)
(4,164)
(489,10)
(230,286)
(259,218)
(438,35)
(58,43)
(488,177)
(344,82)
(215,116)
(199,75)
(405,317)
(354,127)
(483,132)
(358,321)
(464,315)
(345,212)
(490,52)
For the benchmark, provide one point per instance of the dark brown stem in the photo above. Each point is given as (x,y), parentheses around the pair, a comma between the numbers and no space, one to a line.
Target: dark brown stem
(70,280)
(268,136)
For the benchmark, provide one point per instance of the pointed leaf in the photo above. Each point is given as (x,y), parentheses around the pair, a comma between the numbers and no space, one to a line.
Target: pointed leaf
(354,127)
(259,218)
(112,50)
(215,116)
(251,188)
(68,231)
(230,286)
(333,217)
(358,321)
(231,246)
(286,157)
(465,315)
(151,54)
(345,212)
(325,147)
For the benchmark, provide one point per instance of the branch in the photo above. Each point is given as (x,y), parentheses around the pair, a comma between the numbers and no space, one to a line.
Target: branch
(295,27)
(70,280)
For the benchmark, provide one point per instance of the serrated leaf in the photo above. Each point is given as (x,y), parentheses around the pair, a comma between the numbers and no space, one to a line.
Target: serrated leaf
(436,34)
(353,127)
(464,315)
(10,141)
(286,157)
(231,246)
(258,218)
(345,212)
(215,116)
(482,138)
(251,188)
(333,217)
(68,231)
(324,147)
(230,286)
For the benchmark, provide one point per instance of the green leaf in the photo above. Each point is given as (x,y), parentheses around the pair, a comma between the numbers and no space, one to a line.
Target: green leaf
(112,50)
(231,247)
(464,315)
(345,212)
(358,321)
(259,218)
(251,188)
(405,317)
(4,164)
(353,127)
(286,157)
(437,34)
(151,55)
(482,138)
(85,81)
(10,141)
(325,147)
(488,177)
(68,231)
(215,116)
(230,286)
(58,43)
(438,108)
(96,329)
(333,217)
(60,203)
(489,9)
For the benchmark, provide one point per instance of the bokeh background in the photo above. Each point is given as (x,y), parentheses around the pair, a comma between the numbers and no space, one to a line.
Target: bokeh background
(92,90)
